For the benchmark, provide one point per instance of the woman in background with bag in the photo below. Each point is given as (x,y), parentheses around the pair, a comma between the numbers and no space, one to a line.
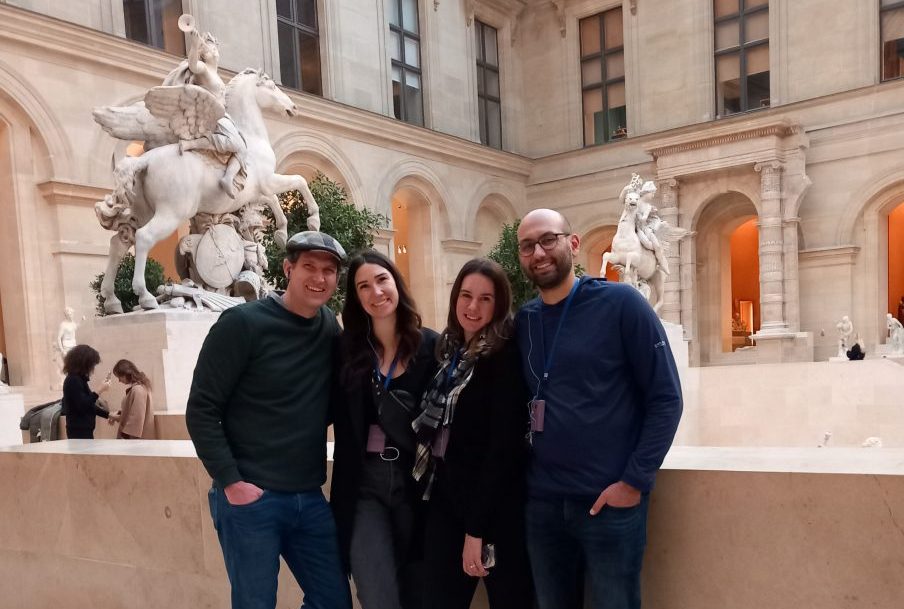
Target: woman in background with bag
(136,414)
(472,450)
(387,361)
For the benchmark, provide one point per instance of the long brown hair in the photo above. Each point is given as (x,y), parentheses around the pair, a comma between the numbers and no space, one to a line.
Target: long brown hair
(499,329)
(357,335)
(130,372)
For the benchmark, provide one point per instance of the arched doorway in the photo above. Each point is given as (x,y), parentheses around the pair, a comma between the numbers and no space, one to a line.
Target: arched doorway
(412,248)
(593,245)
(896,262)
(493,213)
(727,253)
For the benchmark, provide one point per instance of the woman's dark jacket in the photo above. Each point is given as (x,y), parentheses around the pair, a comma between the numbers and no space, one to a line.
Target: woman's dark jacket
(350,435)
(482,476)
(80,404)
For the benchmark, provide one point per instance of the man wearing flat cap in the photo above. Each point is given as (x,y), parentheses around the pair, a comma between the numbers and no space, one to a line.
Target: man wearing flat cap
(257,414)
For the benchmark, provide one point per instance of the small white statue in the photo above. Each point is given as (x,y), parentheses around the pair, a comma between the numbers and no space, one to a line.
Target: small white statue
(845,335)
(65,339)
(895,334)
(872,442)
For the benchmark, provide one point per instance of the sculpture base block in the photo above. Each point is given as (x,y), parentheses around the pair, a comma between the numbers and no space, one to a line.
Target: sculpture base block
(164,344)
(679,344)
(779,348)
(12,407)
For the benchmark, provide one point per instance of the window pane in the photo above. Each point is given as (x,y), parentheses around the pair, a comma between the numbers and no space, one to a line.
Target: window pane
(749,4)
(492,83)
(758,59)
(396,74)
(728,84)
(481,90)
(393,8)
(758,91)
(395,45)
(889,2)
(489,43)
(284,8)
(612,24)
(615,65)
(593,117)
(477,44)
(591,72)
(725,7)
(409,15)
(615,94)
(288,61)
(306,12)
(757,26)
(414,108)
(893,24)
(590,35)
(618,123)
(136,21)
(411,52)
(310,63)
(482,112)
(494,124)
(173,38)
(727,35)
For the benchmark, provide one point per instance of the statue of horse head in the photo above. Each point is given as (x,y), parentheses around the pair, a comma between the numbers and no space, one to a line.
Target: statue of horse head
(257,85)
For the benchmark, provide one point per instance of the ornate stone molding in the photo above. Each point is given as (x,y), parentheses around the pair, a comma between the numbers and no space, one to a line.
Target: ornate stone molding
(669,190)
(559,5)
(693,142)
(829,256)
(58,192)
(771,181)
(633,6)
(461,245)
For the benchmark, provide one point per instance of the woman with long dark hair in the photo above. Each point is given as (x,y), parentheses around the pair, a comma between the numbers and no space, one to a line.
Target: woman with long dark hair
(79,402)
(387,362)
(136,414)
(471,450)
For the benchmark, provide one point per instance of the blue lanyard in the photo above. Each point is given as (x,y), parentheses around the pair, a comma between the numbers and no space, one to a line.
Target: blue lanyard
(452,366)
(555,339)
(388,378)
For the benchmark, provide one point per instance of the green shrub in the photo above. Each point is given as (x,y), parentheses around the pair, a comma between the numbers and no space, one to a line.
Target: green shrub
(153,277)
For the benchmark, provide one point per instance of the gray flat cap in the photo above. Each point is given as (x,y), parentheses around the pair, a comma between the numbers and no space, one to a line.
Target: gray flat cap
(311,240)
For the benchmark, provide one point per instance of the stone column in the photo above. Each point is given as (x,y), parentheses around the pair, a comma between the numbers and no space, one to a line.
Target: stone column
(772,270)
(792,277)
(671,302)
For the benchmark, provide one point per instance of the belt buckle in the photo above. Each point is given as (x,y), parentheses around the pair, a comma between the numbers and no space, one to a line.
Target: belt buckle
(388,448)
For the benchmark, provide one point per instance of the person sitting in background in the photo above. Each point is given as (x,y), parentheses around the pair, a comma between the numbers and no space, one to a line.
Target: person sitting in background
(80,403)
(136,414)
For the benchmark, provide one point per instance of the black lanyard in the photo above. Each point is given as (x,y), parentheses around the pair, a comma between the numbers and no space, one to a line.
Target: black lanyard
(547,365)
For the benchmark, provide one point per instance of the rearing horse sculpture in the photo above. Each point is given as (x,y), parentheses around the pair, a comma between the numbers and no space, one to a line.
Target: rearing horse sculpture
(158,191)
(638,264)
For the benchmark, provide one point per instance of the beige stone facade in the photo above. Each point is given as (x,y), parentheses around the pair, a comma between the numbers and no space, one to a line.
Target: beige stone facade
(819,171)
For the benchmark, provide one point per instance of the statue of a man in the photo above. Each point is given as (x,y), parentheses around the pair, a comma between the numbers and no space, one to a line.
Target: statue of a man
(845,335)
(200,68)
(65,339)
(895,334)
(648,222)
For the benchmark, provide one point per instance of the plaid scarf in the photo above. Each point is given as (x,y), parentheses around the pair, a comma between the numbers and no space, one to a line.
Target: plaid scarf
(439,402)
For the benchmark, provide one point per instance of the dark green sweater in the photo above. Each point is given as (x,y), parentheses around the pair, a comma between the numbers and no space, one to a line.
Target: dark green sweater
(260,396)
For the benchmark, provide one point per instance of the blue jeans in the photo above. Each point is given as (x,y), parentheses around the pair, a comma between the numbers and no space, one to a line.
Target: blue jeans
(297,526)
(560,532)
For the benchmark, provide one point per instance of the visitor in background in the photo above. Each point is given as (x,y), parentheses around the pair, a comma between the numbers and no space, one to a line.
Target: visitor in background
(257,414)
(471,450)
(387,362)
(80,405)
(136,413)
(605,408)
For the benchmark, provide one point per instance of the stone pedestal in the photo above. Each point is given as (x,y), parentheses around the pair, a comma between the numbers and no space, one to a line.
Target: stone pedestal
(679,344)
(784,347)
(164,344)
(12,407)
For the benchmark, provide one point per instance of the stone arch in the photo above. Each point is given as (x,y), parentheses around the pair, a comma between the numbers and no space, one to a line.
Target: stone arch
(714,223)
(493,212)
(307,153)
(419,177)
(594,243)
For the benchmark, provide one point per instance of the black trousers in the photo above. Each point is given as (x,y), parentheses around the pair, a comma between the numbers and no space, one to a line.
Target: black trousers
(447,586)
(79,434)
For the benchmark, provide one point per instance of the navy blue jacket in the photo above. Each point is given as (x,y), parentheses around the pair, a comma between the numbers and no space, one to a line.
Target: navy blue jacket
(613,397)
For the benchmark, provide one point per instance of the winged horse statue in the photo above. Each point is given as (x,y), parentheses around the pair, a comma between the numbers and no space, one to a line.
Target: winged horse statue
(639,247)
(192,135)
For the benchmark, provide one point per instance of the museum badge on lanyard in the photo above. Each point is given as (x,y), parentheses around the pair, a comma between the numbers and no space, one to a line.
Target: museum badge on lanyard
(537,404)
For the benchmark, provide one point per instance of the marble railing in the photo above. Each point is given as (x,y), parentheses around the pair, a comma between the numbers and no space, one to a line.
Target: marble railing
(125,524)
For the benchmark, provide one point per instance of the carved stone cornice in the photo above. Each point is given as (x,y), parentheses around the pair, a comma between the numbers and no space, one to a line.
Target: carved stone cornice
(721,136)
(57,192)
(829,256)
(461,246)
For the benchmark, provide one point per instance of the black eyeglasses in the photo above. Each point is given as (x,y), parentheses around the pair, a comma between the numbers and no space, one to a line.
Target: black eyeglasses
(547,242)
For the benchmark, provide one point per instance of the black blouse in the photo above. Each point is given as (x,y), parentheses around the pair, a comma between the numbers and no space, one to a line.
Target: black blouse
(80,403)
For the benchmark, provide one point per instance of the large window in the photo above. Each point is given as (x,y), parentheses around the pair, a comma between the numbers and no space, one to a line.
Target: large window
(603,77)
(405,54)
(892,19)
(742,55)
(299,45)
(155,23)
(488,85)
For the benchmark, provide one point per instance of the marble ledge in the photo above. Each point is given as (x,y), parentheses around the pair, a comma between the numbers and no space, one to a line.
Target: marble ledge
(881,461)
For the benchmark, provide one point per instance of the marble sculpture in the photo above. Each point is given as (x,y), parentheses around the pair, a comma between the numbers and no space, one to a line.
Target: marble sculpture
(895,334)
(207,158)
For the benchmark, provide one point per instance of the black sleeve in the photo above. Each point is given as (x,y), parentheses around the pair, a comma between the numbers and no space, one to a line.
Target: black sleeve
(81,402)
(221,364)
(502,465)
